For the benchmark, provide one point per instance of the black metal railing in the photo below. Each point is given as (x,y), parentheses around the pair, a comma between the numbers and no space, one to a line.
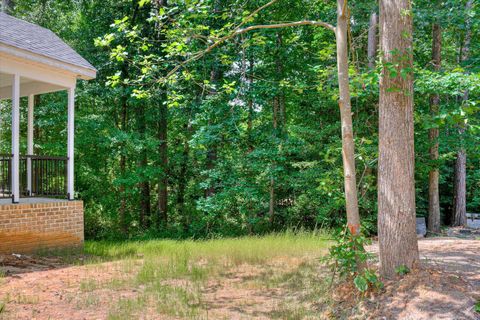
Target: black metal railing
(5,175)
(48,176)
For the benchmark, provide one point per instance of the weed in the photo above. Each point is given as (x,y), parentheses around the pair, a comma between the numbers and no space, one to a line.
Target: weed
(127,308)
(349,258)
(402,270)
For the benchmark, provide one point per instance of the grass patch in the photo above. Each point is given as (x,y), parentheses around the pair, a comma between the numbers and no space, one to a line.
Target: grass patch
(126,309)
(234,251)
(169,277)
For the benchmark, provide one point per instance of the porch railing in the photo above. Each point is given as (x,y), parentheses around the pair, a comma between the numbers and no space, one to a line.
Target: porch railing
(48,176)
(5,175)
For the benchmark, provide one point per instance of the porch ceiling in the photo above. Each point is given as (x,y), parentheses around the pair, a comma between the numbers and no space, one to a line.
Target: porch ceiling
(27,86)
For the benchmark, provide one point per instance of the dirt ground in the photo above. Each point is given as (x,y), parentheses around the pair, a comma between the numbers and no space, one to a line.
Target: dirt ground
(447,286)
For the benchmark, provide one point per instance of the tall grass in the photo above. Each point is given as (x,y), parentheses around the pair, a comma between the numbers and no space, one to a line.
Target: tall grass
(235,251)
(172,273)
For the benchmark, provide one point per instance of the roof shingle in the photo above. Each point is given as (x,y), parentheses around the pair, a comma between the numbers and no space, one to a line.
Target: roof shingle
(31,37)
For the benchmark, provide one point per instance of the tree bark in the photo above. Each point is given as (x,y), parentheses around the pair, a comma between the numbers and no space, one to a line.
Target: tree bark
(460,173)
(348,145)
(278,123)
(163,154)
(459,200)
(144,185)
(433,177)
(212,152)
(372,40)
(162,201)
(396,183)
(250,141)
(271,207)
(37,131)
(123,162)
(182,179)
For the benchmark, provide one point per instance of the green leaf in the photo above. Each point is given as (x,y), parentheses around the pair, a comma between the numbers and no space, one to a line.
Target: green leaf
(361,283)
(402,270)
(141,3)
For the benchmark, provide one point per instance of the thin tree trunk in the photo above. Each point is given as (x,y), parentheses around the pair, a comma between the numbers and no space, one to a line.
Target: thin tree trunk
(396,183)
(372,40)
(212,152)
(460,181)
(182,180)
(162,201)
(433,177)
(144,185)
(250,109)
(278,123)
(459,200)
(163,154)
(249,80)
(37,132)
(348,145)
(123,162)
(271,207)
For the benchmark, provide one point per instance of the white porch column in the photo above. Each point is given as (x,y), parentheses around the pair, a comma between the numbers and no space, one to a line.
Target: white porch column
(31,102)
(71,133)
(16,139)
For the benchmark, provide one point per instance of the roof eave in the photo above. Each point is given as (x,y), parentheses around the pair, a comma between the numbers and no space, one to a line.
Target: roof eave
(80,72)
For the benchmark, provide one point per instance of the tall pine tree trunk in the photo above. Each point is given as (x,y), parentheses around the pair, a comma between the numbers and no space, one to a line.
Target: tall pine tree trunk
(460,173)
(372,40)
(348,145)
(396,183)
(433,193)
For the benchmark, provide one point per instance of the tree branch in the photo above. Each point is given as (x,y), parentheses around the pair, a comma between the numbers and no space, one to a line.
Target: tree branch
(254,13)
(239,31)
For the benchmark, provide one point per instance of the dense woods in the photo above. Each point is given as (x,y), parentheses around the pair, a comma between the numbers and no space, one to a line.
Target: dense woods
(207,120)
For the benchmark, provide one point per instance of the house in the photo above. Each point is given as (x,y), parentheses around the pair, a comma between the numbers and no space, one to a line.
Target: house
(37,192)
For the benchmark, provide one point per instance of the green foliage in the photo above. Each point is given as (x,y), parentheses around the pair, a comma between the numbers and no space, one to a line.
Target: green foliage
(402,270)
(349,258)
(348,253)
(477,307)
(367,279)
(229,118)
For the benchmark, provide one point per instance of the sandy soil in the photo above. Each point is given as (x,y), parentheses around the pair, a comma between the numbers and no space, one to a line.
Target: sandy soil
(446,287)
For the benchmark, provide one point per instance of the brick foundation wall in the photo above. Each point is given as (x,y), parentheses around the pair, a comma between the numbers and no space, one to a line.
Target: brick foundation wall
(27,227)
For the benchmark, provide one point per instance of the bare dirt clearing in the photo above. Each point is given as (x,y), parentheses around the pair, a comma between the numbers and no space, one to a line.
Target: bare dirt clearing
(447,287)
